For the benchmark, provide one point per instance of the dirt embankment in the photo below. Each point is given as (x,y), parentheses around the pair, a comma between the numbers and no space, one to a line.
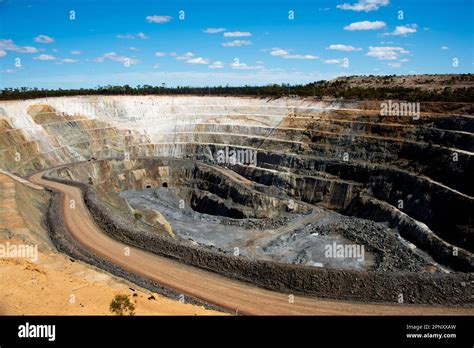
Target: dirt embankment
(56,284)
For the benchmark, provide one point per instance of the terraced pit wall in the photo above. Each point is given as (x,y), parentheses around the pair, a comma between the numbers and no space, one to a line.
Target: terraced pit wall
(424,200)
(445,289)
(205,188)
(300,146)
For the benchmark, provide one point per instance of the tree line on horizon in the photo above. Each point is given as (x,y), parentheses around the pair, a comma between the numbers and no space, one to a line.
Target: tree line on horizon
(320,89)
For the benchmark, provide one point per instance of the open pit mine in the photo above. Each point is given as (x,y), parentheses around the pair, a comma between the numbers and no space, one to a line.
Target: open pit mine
(249,205)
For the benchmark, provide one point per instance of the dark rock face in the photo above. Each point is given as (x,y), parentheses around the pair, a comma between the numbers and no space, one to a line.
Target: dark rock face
(207,190)
(369,191)
(446,212)
(373,209)
(421,288)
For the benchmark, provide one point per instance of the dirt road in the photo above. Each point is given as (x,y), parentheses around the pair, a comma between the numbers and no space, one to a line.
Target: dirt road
(212,288)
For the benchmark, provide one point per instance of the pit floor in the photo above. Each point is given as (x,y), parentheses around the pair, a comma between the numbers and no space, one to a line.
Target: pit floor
(293,242)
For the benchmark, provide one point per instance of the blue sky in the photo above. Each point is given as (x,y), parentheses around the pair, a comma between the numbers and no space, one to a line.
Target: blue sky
(43,44)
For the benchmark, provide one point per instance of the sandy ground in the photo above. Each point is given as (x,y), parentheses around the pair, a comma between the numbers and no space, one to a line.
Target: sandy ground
(55,284)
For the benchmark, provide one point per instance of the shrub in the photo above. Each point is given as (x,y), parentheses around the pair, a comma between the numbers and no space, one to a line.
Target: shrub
(121,305)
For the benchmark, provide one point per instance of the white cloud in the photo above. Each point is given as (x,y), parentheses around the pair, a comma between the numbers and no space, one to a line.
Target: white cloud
(9,45)
(66,60)
(403,30)
(8,71)
(43,39)
(133,36)
(44,57)
(279,52)
(116,58)
(142,36)
(217,65)
(76,52)
(386,52)
(344,62)
(300,56)
(198,60)
(444,47)
(332,61)
(237,43)
(395,64)
(3,53)
(214,30)
(236,64)
(125,36)
(237,34)
(341,47)
(160,54)
(133,49)
(186,56)
(158,19)
(276,69)
(365,25)
(156,66)
(364,5)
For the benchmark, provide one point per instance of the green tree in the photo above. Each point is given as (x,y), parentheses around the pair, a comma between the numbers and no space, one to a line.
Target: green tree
(137,215)
(121,305)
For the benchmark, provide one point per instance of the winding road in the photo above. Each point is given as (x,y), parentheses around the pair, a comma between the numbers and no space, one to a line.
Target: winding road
(238,297)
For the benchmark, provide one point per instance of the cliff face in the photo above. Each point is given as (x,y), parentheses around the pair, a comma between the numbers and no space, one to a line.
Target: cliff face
(41,133)
(22,205)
